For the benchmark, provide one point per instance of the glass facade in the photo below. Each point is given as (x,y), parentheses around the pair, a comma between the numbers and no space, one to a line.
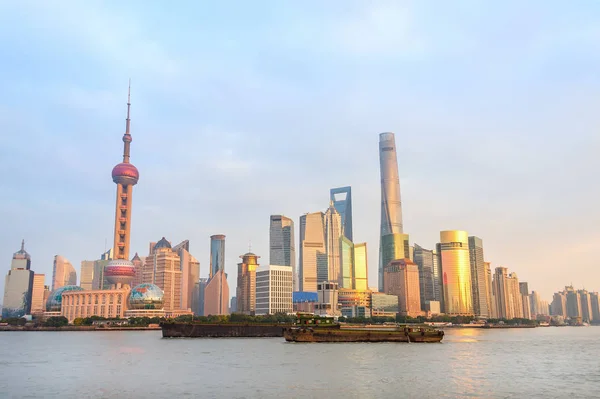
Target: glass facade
(361,270)
(384,302)
(333,233)
(391,205)
(456,269)
(282,250)
(478,277)
(393,247)
(146,296)
(217,254)
(342,201)
(347,264)
(424,260)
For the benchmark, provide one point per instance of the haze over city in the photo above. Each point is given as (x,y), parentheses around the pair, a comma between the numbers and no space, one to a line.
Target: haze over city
(243,110)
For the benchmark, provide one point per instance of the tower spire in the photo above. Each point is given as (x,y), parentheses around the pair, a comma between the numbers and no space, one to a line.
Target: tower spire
(23,244)
(127,135)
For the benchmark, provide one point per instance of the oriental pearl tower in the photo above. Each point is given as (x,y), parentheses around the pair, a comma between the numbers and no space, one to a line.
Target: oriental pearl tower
(120,271)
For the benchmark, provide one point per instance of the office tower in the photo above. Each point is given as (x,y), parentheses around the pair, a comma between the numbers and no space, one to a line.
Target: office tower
(534,304)
(190,273)
(333,233)
(424,259)
(586,305)
(391,205)
(573,302)
(313,256)
(526,302)
(478,278)
(509,301)
(392,247)
(233,305)
(342,201)
(437,279)
(63,273)
(327,299)
(246,284)
(595,304)
(491,302)
(559,304)
(18,285)
(86,274)
(163,269)
(37,294)
(138,265)
(216,291)
(274,288)
(402,279)
(217,254)
(201,295)
(346,276)
(120,271)
(360,273)
(456,268)
(282,247)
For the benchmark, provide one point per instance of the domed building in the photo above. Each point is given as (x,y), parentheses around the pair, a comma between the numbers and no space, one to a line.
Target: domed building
(145,300)
(54,302)
(120,272)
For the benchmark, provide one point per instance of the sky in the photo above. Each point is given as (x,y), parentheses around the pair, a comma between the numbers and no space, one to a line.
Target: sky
(241,110)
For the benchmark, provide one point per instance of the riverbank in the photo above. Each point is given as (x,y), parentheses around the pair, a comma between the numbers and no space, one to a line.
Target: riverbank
(77,328)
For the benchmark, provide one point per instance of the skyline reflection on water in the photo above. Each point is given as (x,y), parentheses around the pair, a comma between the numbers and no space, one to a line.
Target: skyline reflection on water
(541,362)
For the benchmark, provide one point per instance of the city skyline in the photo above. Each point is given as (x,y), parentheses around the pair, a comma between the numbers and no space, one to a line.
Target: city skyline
(64,204)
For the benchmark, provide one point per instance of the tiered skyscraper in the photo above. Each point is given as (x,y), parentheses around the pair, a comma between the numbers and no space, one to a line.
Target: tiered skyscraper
(18,285)
(391,231)
(333,234)
(120,271)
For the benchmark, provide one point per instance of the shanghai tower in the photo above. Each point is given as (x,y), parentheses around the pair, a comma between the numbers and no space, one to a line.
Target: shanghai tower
(391,234)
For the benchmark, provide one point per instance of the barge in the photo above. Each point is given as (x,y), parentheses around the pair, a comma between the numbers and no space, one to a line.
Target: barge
(217,330)
(319,329)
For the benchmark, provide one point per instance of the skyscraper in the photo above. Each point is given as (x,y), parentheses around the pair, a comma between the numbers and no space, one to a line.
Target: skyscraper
(313,256)
(402,279)
(18,285)
(360,273)
(217,254)
(163,268)
(333,233)
(424,260)
(274,287)
(282,247)
(86,274)
(586,305)
(391,205)
(489,291)
(37,294)
(246,284)
(120,271)
(63,273)
(190,273)
(478,277)
(216,295)
(342,201)
(595,304)
(456,268)
(393,247)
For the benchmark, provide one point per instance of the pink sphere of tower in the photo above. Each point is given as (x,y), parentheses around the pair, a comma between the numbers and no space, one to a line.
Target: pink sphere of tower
(126,174)
(119,271)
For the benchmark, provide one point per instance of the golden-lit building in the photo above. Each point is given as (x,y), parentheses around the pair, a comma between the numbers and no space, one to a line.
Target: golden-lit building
(509,301)
(37,294)
(361,269)
(163,268)
(190,274)
(401,278)
(348,298)
(453,251)
(246,284)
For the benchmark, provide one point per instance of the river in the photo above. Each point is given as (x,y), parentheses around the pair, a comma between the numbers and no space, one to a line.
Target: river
(513,363)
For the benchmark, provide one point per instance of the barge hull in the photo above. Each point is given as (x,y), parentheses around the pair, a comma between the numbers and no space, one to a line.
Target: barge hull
(184,330)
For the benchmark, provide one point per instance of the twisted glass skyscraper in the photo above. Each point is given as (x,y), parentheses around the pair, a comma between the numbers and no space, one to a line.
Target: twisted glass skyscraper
(391,206)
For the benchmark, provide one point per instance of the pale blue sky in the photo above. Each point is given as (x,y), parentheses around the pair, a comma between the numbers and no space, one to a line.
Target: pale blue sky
(245,109)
